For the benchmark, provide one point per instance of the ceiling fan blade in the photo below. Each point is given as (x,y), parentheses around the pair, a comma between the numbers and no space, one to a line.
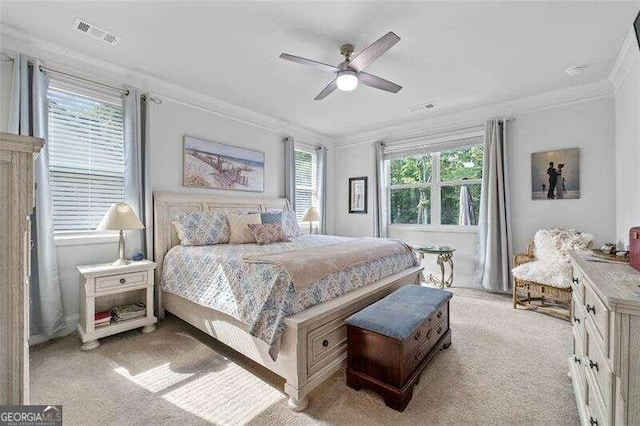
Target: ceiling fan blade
(309,62)
(374,51)
(378,82)
(327,90)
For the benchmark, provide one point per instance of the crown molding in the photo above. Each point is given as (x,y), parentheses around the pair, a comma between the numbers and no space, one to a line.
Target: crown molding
(627,57)
(14,39)
(448,121)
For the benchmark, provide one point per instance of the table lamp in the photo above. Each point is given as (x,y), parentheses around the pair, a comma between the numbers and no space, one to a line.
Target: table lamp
(311,215)
(120,217)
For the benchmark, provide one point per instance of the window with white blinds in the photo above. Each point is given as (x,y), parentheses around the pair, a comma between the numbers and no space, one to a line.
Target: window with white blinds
(306,182)
(86,158)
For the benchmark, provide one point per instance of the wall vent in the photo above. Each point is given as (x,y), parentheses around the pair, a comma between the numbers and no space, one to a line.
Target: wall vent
(96,32)
(421,107)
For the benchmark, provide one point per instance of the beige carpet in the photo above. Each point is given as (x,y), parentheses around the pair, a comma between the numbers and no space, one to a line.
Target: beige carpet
(504,367)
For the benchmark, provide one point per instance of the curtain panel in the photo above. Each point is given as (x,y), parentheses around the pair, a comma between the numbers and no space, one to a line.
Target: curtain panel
(321,176)
(290,170)
(28,115)
(137,182)
(380,193)
(494,224)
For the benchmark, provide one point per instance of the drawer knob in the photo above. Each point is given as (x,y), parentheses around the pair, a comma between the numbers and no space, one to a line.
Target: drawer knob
(593,365)
(576,319)
(576,360)
(417,336)
(592,421)
(575,280)
(439,314)
(592,309)
(418,355)
(325,343)
(122,281)
(439,330)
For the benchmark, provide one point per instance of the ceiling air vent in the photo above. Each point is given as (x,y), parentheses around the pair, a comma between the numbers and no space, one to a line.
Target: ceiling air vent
(421,107)
(95,32)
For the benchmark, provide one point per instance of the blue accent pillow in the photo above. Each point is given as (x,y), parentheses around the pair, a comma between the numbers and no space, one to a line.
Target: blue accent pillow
(271,217)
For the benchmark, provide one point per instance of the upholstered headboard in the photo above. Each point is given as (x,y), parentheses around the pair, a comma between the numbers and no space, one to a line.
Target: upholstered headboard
(168,205)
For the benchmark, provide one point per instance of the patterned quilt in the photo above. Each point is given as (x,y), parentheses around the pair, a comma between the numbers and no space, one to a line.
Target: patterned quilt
(262,295)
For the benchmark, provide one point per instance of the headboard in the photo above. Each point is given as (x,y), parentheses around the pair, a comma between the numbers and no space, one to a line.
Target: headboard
(167,206)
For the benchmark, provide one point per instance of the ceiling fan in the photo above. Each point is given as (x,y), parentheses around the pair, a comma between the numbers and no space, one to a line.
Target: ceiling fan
(349,72)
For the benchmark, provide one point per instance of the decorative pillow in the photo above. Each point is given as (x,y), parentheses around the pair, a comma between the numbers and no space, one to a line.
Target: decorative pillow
(271,217)
(239,231)
(268,233)
(200,228)
(290,224)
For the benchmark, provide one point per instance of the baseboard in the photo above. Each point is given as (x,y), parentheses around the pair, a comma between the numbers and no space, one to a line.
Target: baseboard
(70,326)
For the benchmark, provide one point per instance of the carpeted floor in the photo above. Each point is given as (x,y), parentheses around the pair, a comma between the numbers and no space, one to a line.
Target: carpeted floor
(504,367)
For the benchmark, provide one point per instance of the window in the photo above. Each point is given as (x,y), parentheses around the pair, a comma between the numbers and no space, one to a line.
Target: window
(86,157)
(439,187)
(306,182)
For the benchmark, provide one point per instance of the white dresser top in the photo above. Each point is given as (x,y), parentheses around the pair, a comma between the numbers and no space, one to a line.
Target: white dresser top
(616,284)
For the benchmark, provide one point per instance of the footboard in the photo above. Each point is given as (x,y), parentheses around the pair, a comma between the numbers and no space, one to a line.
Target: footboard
(317,337)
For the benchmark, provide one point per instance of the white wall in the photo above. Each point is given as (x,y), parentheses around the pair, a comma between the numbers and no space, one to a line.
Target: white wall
(627,123)
(588,125)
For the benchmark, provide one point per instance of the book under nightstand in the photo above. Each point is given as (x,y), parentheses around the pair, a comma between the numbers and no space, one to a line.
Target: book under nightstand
(106,286)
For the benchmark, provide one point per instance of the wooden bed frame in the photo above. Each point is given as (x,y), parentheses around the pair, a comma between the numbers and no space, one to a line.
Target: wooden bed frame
(313,345)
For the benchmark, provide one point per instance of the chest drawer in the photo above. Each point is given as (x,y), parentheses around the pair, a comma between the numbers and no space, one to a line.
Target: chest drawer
(426,330)
(577,285)
(578,315)
(111,282)
(596,412)
(599,314)
(596,362)
(414,359)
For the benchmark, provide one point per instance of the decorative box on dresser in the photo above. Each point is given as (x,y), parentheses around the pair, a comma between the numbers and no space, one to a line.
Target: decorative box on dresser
(16,205)
(605,364)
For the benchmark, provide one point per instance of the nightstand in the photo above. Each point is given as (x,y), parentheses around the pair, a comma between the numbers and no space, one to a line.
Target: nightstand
(105,286)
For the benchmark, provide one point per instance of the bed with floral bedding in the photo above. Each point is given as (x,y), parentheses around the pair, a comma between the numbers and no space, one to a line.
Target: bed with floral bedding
(262,295)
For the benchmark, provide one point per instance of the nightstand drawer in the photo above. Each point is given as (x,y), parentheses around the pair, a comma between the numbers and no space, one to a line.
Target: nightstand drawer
(111,282)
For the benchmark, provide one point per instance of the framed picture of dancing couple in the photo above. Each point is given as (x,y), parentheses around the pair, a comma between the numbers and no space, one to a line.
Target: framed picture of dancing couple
(555,175)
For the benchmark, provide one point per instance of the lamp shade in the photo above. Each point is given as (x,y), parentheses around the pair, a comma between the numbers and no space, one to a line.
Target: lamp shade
(311,215)
(120,216)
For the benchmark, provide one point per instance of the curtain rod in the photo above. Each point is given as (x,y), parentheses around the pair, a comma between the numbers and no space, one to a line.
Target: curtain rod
(86,80)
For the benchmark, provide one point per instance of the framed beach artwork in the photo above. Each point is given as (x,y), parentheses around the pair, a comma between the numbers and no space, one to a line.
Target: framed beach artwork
(358,195)
(555,175)
(215,165)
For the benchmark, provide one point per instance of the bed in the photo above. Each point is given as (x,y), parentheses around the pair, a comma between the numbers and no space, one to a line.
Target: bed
(310,344)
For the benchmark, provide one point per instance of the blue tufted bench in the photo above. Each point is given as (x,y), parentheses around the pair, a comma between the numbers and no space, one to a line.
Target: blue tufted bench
(390,342)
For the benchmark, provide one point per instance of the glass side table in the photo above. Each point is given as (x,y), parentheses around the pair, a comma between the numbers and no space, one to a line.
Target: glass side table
(445,256)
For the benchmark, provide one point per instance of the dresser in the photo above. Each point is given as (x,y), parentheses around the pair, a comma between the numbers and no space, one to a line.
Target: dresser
(605,363)
(16,205)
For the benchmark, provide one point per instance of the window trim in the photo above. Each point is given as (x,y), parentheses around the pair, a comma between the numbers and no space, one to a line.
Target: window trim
(435,185)
(314,178)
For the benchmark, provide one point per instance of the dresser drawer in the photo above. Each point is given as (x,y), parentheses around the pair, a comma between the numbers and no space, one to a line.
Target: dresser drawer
(417,356)
(578,315)
(596,362)
(599,314)
(425,330)
(325,341)
(577,285)
(596,412)
(111,282)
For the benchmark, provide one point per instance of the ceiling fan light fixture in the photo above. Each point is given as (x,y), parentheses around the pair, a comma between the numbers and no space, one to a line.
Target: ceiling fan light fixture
(347,80)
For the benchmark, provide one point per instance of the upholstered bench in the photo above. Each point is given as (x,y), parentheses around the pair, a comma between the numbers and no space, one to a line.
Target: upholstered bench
(390,342)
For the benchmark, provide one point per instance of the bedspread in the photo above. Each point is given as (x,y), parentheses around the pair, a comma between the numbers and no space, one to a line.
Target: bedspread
(262,295)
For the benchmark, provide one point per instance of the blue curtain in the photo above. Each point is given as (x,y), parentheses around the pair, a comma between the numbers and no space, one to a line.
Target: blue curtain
(28,113)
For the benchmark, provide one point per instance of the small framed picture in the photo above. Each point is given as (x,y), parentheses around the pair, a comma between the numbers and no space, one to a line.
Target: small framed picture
(358,195)
(555,175)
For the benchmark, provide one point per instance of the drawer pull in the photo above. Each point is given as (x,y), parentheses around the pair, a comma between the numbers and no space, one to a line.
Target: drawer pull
(325,343)
(576,360)
(417,336)
(429,333)
(575,280)
(593,365)
(418,355)
(576,319)
(439,330)
(593,422)
(439,314)
(591,308)
(122,281)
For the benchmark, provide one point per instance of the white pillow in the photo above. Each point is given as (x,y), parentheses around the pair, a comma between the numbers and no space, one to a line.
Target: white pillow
(239,231)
